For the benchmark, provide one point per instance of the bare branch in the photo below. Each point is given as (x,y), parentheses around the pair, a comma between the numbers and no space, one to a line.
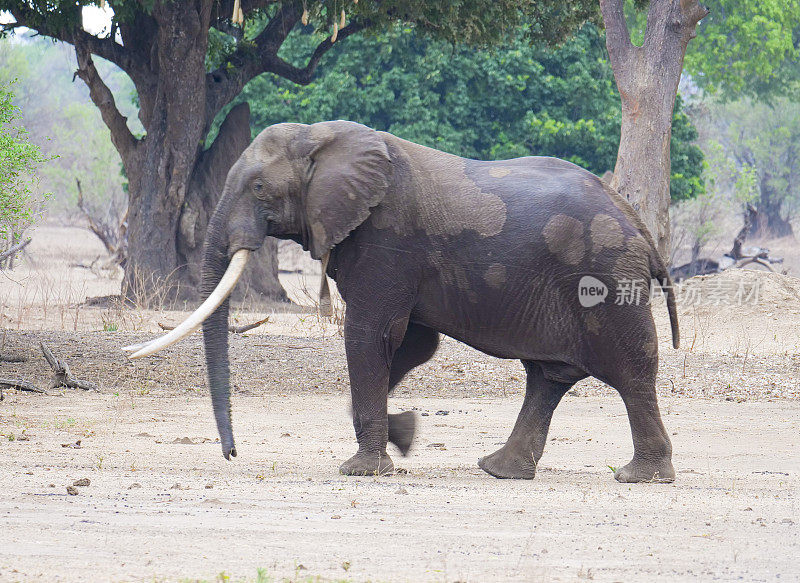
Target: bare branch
(107,234)
(235,329)
(18,247)
(102,97)
(106,48)
(303,76)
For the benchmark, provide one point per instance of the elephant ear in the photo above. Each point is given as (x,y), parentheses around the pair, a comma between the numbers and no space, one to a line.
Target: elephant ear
(350,173)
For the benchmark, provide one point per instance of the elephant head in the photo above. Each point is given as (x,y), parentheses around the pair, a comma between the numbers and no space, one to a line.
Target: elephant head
(313,184)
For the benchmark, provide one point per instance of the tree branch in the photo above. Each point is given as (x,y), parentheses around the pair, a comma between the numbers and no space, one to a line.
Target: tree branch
(106,48)
(102,97)
(618,38)
(303,76)
(224,84)
(676,17)
(18,247)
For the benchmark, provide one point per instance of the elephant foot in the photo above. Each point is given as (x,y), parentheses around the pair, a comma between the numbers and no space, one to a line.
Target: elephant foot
(363,464)
(660,471)
(401,430)
(509,462)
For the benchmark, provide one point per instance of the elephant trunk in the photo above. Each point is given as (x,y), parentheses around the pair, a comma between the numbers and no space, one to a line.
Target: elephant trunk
(215,326)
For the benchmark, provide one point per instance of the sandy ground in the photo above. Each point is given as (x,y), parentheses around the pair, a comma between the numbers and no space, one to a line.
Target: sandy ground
(163,505)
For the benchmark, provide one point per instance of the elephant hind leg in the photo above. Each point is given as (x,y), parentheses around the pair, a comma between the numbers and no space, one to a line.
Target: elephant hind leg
(634,378)
(418,346)
(652,449)
(546,384)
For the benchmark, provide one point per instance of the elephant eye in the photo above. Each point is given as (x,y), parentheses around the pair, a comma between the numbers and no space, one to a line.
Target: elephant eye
(258,187)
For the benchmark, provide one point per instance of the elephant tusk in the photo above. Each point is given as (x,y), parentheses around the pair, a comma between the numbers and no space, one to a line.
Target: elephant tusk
(195,320)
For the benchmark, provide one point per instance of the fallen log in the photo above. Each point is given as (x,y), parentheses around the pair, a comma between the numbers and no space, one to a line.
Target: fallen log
(20,385)
(62,376)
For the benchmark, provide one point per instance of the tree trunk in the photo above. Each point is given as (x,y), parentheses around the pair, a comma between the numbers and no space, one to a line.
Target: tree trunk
(642,172)
(174,184)
(647,78)
(769,223)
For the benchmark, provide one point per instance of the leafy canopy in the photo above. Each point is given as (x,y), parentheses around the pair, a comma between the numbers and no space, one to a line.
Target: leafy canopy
(519,100)
(742,49)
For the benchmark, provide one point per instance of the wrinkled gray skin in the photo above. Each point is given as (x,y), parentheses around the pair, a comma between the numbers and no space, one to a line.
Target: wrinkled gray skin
(421,243)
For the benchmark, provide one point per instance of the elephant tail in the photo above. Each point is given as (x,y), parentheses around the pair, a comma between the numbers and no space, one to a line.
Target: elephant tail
(660,272)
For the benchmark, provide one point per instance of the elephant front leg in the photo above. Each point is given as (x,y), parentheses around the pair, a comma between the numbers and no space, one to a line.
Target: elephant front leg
(369,348)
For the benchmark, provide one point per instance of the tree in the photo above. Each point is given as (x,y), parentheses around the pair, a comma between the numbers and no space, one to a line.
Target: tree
(19,160)
(647,77)
(763,139)
(520,99)
(747,49)
(184,75)
(729,186)
(69,131)
(745,60)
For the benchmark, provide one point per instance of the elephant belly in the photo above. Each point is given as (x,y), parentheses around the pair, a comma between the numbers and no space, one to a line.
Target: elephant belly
(525,318)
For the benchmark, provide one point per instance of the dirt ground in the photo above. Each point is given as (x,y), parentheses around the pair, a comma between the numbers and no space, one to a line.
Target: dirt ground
(162,504)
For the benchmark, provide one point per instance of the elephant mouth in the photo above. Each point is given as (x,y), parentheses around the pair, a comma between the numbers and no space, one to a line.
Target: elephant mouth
(248,240)
(196,319)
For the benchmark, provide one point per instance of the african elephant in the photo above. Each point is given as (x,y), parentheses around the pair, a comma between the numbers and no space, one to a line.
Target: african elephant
(423,243)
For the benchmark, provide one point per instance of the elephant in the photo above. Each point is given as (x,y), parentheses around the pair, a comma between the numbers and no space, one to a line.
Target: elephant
(520,259)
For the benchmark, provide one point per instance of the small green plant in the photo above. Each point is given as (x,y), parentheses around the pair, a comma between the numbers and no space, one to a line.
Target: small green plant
(612,468)
(110,327)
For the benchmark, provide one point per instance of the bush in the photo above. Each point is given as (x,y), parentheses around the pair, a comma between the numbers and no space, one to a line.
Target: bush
(19,160)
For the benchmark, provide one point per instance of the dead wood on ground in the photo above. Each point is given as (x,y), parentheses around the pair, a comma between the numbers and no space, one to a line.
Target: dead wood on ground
(62,376)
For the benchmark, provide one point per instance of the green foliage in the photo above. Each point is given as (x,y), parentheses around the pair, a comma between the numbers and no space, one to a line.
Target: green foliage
(19,160)
(522,99)
(747,48)
(763,140)
(753,155)
(476,22)
(686,180)
(66,126)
